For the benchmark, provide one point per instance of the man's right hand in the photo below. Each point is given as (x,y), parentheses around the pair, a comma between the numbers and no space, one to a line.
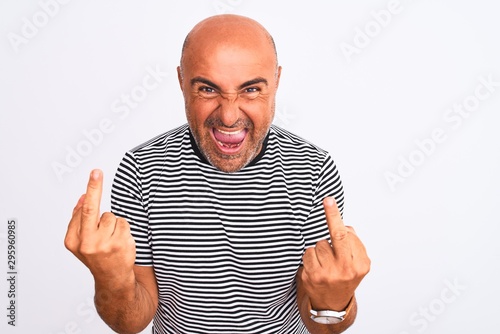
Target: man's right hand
(126,295)
(103,243)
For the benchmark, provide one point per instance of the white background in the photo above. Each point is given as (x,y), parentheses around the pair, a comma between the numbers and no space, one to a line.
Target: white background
(435,226)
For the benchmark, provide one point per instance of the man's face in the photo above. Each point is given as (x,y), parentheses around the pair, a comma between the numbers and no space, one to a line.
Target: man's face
(229,93)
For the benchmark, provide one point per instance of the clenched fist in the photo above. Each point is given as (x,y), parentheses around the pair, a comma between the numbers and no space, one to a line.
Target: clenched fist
(103,243)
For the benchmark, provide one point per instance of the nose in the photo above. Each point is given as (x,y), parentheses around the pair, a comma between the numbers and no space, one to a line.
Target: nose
(229,111)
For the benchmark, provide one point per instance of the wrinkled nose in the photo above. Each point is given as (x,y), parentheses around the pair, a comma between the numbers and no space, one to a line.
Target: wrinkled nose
(229,111)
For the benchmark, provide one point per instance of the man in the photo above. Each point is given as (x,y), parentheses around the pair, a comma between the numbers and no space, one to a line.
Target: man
(222,225)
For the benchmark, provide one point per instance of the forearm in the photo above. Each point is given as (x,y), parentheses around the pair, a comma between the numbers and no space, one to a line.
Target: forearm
(313,327)
(126,308)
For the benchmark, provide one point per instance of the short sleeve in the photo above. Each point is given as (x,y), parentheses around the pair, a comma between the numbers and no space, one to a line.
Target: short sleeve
(127,202)
(328,184)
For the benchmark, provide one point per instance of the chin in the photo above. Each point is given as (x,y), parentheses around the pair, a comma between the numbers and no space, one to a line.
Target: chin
(229,165)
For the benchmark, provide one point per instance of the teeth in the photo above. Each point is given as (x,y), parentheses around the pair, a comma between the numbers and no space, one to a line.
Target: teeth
(229,132)
(228,145)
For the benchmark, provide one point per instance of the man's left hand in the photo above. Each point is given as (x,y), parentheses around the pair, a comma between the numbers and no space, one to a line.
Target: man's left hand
(332,272)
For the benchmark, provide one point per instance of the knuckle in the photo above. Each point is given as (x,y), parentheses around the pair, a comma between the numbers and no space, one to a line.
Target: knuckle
(131,241)
(350,229)
(101,249)
(87,209)
(308,250)
(308,256)
(70,242)
(86,249)
(351,275)
(319,279)
(304,277)
(316,276)
(123,225)
(347,273)
(357,273)
(366,266)
(340,235)
(107,218)
(107,215)
(122,222)
(324,250)
(114,248)
(322,243)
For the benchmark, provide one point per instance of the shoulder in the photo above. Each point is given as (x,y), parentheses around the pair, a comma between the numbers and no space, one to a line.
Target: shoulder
(168,146)
(291,143)
(176,135)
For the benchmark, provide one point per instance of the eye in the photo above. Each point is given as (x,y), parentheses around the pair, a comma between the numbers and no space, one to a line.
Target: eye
(207,92)
(206,89)
(251,92)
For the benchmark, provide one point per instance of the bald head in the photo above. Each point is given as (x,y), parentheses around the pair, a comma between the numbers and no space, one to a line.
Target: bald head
(227,29)
(229,76)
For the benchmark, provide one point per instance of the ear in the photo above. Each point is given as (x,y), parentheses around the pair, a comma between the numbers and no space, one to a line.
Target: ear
(179,77)
(278,76)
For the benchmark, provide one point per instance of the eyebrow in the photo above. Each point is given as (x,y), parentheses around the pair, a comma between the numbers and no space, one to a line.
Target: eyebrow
(253,82)
(207,82)
(202,80)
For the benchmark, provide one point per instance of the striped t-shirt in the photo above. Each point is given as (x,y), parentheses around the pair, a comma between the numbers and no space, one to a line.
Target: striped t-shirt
(225,247)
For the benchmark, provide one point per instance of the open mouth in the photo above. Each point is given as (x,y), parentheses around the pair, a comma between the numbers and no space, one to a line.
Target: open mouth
(229,142)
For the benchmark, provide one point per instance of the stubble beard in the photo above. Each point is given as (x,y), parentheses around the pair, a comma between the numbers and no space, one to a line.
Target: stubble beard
(224,162)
